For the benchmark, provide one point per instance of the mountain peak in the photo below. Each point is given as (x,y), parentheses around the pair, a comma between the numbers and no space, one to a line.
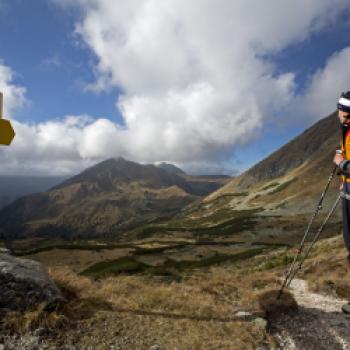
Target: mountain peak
(171,168)
(111,162)
(113,171)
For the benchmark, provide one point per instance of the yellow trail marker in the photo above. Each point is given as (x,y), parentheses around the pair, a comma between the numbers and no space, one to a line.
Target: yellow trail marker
(6,131)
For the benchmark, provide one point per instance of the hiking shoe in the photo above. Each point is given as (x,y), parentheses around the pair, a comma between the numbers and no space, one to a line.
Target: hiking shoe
(346,308)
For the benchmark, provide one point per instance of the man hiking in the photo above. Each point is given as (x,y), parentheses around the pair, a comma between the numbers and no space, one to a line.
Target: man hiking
(342,160)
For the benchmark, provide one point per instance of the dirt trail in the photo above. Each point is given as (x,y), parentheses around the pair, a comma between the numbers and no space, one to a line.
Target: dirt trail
(319,323)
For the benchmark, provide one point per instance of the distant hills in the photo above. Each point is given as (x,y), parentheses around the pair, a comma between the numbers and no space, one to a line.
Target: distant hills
(13,187)
(171,168)
(270,202)
(105,199)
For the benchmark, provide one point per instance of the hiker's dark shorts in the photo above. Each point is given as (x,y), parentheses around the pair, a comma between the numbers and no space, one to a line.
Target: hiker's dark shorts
(346,217)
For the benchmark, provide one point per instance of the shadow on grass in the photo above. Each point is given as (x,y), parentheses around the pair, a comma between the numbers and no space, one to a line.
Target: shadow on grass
(140,312)
(170,268)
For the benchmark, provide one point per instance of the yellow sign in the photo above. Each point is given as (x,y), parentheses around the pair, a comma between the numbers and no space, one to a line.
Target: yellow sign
(6,131)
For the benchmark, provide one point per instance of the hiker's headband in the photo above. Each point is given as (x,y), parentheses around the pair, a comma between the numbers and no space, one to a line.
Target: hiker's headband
(344,104)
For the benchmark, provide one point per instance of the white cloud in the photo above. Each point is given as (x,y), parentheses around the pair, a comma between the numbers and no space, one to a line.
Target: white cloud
(197,78)
(47,148)
(326,85)
(195,75)
(14,96)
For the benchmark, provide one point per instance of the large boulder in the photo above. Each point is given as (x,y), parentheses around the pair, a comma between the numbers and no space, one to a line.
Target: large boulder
(24,284)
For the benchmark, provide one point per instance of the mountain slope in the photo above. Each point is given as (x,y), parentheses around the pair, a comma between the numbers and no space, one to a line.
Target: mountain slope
(273,200)
(105,199)
(171,168)
(296,171)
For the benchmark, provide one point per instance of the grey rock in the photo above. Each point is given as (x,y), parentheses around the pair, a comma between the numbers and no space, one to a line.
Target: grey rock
(261,322)
(2,347)
(346,308)
(39,332)
(245,315)
(155,347)
(24,284)
(336,323)
(4,250)
(31,342)
(22,342)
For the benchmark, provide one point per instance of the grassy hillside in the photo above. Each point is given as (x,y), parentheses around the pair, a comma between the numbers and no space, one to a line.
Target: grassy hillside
(197,311)
(105,200)
(273,200)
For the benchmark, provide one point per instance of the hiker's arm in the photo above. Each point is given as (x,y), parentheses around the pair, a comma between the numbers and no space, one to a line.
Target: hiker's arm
(343,164)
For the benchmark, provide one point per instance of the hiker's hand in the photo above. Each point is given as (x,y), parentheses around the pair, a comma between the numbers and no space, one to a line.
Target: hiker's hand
(341,187)
(338,158)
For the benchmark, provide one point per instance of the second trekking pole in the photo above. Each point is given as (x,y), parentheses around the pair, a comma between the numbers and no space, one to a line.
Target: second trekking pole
(318,208)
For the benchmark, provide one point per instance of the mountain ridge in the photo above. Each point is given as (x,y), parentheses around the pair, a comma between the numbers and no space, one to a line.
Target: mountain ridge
(273,200)
(104,199)
(317,145)
(295,152)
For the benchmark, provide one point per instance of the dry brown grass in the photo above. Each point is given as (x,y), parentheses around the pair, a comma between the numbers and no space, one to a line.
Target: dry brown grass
(197,313)
(63,316)
(77,259)
(327,271)
(18,322)
(273,304)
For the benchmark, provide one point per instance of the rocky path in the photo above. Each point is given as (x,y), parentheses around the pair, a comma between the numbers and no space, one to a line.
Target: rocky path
(318,324)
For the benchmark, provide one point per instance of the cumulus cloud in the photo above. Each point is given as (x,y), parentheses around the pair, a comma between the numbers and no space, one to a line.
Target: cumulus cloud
(14,96)
(197,77)
(47,148)
(326,85)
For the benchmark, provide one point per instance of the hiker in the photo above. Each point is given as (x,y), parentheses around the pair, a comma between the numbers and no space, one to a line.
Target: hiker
(342,160)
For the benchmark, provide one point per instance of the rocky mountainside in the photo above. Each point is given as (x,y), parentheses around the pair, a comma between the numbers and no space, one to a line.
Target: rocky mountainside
(272,201)
(319,141)
(105,199)
(171,168)
(294,174)
(200,184)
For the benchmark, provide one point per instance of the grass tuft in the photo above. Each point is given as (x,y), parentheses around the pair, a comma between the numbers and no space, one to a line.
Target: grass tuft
(273,305)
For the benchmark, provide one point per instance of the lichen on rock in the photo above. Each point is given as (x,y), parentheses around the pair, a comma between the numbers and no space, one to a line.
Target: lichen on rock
(24,284)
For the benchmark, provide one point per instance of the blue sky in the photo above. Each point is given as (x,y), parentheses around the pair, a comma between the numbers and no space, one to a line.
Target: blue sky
(39,45)
(52,54)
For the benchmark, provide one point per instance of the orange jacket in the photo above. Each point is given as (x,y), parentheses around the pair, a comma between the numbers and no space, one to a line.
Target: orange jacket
(345,147)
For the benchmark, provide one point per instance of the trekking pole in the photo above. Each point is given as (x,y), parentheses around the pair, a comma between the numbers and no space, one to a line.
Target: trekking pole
(314,241)
(318,208)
